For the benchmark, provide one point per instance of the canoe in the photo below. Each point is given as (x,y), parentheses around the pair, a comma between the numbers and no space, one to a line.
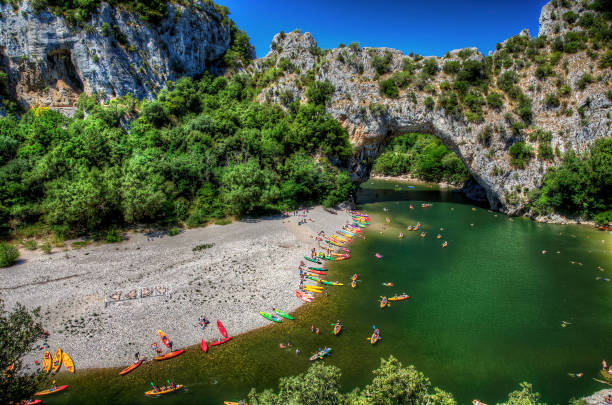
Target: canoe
(270,317)
(131,367)
(47,362)
(321,273)
(383,302)
(169,355)
(400,298)
(337,328)
(312,260)
(220,342)
(50,391)
(283,314)
(354,283)
(57,360)
(374,338)
(204,346)
(164,338)
(317,268)
(167,391)
(303,296)
(221,328)
(68,363)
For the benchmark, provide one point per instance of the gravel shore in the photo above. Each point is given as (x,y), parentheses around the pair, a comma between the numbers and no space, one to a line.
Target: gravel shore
(103,303)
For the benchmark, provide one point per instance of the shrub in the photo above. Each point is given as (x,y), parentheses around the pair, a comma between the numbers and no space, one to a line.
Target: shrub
(430,66)
(451,67)
(112,236)
(484,137)
(8,254)
(382,64)
(545,151)
(520,153)
(387,88)
(46,247)
(543,71)
(551,100)
(524,108)
(402,79)
(570,17)
(472,72)
(606,59)
(585,80)
(603,218)
(30,244)
(449,100)
(465,53)
(202,246)
(429,103)
(495,101)
(507,80)
(173,231)
(354,46)
(320,92)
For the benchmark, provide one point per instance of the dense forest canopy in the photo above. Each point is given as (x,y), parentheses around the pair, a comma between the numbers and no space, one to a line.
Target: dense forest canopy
(202,150)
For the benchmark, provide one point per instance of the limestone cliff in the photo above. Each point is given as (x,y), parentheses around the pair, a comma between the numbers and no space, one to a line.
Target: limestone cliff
(578,114)
(50,62)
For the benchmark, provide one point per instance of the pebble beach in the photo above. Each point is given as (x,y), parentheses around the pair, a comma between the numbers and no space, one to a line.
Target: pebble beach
(104,302)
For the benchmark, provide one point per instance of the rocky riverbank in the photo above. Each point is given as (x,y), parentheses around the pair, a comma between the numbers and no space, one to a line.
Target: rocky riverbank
(101,304)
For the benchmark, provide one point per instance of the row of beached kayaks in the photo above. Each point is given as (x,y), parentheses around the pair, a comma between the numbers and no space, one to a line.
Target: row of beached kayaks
(60,358)
(276,316)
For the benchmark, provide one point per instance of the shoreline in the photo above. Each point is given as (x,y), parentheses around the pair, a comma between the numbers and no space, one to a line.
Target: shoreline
(405,178)
(164,284)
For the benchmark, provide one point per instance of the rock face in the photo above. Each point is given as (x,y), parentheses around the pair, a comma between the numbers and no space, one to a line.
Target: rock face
(49,62)
(372,119)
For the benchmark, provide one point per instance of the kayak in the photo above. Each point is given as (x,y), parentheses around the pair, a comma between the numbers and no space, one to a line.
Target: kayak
(354,283)
(132,367)
(232,403)
(169,355)
(321,354)
(57,360)
(326,257)
(322,273)
(388,284)
(311,289)
(284,315)
(331,283)
(204,346)
(334,243)
(313,278)
(221,328)
(164,338)
(273,318)
(303,296)
(374,338)
(33,402)
(342,239)
(354,276)
(220,342)
(343,257)
(346,233)
(337,328)
(312,260)
(400,298)
(383,302)
(379,256)
(47,362)
(166,391)
(50,391)
(317,268)
(68,363)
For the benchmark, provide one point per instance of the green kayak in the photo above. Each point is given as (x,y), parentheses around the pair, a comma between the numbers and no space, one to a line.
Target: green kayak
(313,278)
(312,260)
(281,313)
(273,318)
(318,268)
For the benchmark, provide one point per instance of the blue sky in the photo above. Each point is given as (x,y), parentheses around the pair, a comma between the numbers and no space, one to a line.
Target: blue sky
(424,27)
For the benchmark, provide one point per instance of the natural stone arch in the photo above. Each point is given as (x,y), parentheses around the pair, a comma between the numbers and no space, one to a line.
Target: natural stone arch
(370,118)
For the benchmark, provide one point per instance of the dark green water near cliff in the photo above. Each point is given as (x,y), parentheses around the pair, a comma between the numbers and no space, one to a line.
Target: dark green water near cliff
(485,313)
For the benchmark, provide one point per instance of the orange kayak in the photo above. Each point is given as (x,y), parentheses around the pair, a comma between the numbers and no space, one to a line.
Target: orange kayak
(132,367)
(169,355)
(68,363)
(399,298)
(164,338)
(47,362)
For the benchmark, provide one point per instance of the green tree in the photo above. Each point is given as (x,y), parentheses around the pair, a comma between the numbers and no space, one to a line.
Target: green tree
(19,331)
(523,396)
(320,92)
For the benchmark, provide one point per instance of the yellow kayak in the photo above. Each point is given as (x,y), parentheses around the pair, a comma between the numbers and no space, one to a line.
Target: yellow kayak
(57,360)
(68,363)
(47,362)
(166,391)
(314,290)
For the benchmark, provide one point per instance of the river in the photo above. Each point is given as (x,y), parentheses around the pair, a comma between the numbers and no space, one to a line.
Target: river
(484,313)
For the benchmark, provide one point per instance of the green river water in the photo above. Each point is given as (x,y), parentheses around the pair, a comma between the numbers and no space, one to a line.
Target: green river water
(485,313)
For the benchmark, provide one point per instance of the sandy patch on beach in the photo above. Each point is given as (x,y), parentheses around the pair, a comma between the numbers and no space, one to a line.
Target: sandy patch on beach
(102,303)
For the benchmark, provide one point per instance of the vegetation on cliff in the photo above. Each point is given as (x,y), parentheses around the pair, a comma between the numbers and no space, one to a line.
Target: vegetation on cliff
(579,186)
(392,384)
(201,150)
(422,156)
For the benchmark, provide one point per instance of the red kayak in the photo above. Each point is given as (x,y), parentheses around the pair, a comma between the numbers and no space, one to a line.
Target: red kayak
(51,391)
(221,328)
(169,355)
(132,367)
(220,342)
(204,346)
(317,272)
(33,402)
